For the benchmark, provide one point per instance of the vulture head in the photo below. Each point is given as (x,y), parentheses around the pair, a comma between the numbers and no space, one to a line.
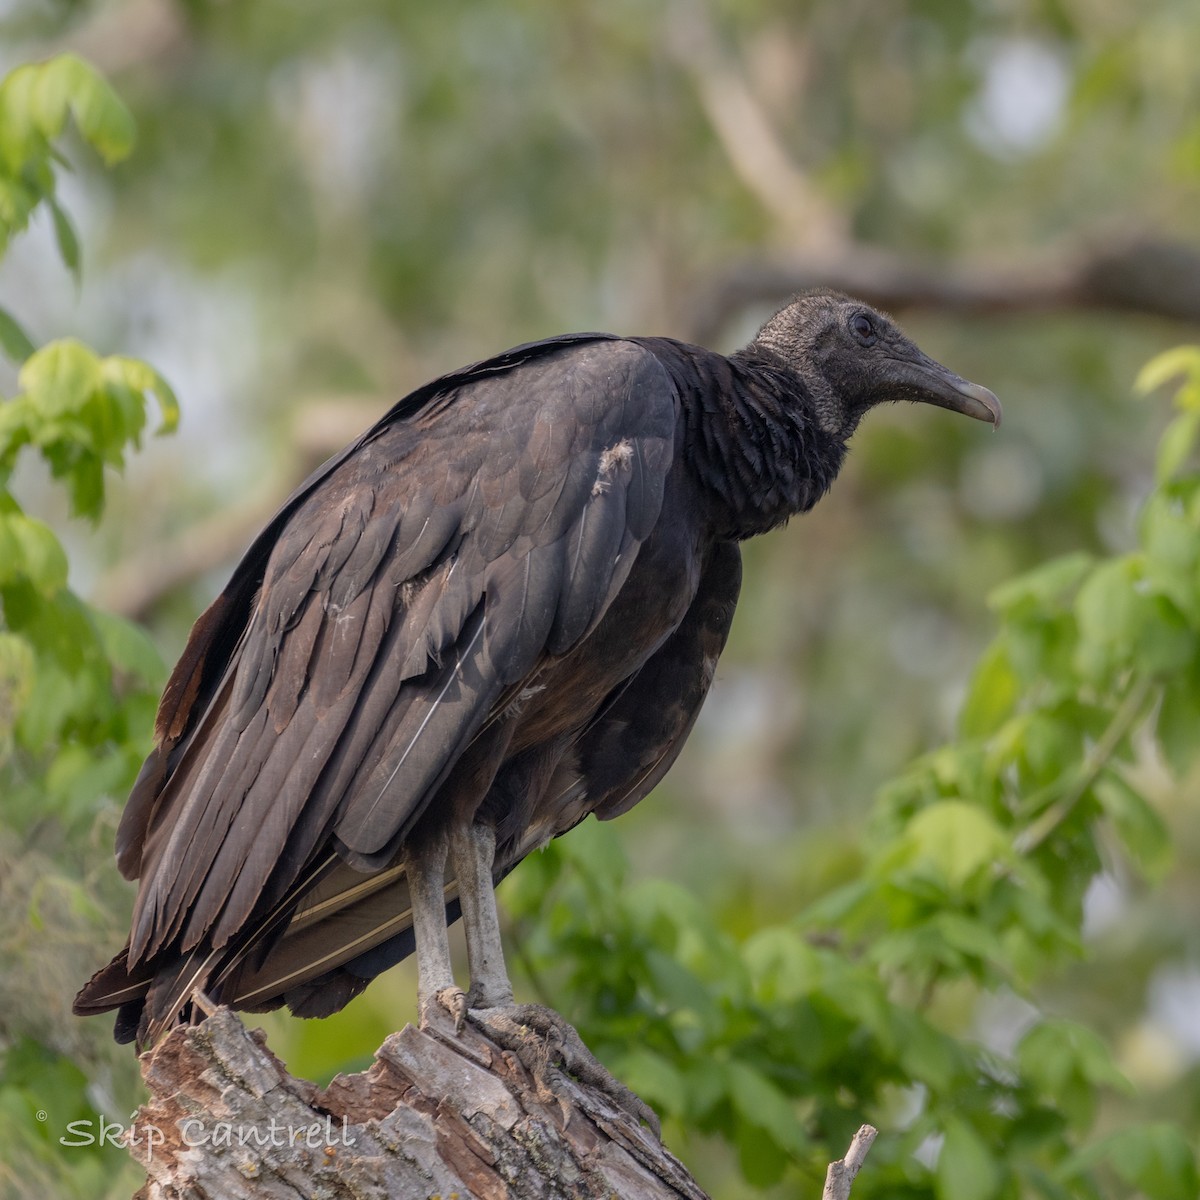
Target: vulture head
(851,358)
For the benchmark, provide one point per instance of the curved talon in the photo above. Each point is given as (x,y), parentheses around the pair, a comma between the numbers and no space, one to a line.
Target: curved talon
(454,1001)
(451,1000)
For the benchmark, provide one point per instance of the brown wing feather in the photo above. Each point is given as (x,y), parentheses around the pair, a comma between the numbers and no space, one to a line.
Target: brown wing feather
(618,759)
(418,582)
(635,740)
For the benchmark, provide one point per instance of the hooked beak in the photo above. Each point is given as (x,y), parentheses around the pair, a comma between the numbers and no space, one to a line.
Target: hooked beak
(928,382)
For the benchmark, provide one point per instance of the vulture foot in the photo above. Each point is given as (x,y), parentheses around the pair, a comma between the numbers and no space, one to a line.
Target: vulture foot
(452,1000)
(543,1041)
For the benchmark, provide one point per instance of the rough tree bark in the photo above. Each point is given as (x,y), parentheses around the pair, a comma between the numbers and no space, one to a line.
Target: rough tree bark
(438,1114)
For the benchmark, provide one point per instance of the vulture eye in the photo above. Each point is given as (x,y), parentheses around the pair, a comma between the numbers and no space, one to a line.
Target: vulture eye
(861,327)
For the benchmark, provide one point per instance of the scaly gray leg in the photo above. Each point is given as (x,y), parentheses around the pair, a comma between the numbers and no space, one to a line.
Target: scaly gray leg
(426,871)
(538,1036)
(473,852)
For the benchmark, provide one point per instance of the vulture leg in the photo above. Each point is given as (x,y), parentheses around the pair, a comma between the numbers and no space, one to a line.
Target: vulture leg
(425,867)
(538,1036)
(473,852)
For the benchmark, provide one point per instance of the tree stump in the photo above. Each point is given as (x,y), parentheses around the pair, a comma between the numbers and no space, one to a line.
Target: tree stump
(436,1115)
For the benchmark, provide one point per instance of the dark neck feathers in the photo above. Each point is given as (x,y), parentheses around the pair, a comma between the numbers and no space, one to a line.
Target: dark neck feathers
(752,439)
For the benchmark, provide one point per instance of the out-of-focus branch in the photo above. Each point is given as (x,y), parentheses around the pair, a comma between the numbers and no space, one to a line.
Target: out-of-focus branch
(136,584)
(1132,275)
(117,37)
(759,158)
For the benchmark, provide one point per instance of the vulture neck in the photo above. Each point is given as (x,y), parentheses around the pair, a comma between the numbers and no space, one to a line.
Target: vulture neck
(753,441)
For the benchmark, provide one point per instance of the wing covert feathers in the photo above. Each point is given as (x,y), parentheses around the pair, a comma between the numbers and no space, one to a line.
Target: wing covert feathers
(481,529)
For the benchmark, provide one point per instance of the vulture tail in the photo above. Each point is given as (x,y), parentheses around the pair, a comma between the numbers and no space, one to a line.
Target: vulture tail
(340,933)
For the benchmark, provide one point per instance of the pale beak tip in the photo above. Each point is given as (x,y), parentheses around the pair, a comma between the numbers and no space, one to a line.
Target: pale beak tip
(983,404)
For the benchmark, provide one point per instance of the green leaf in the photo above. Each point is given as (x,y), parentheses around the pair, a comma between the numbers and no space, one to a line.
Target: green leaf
(1044,584)
(82,412)
(1156,1160)
(1068,1064)
(653,1077)
(678,988)
(759,1155)
(29,550)
(60,377)
(1141,830)
(17,665)
(1182,360)
(35,102)
(1121,622)
(966,1168)
(1106,602)
(759,1102)
(929,1056)
(993,693)
(141,377)
(1176,444)
(85,480)
(81,777)
(129,648)
(64,235)
(1171,541)
(782,964)
(838,906)
(39,96)
(102,116)
(954,838)
(14,341)
(1049,746)
(707,1088)
(1165,640)
(1177,722)
(54,697)
(967,935)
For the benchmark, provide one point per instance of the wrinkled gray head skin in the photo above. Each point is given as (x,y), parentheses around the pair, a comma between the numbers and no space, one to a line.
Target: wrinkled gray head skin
(852,358)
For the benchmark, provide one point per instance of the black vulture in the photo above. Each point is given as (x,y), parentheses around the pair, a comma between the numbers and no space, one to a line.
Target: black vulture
(498,611)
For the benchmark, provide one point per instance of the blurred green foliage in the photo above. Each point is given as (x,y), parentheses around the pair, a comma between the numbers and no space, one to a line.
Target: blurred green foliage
(35,102)
(997,960)
(78,686)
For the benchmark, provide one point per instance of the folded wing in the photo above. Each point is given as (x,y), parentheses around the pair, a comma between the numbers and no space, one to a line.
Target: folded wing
(399,602)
